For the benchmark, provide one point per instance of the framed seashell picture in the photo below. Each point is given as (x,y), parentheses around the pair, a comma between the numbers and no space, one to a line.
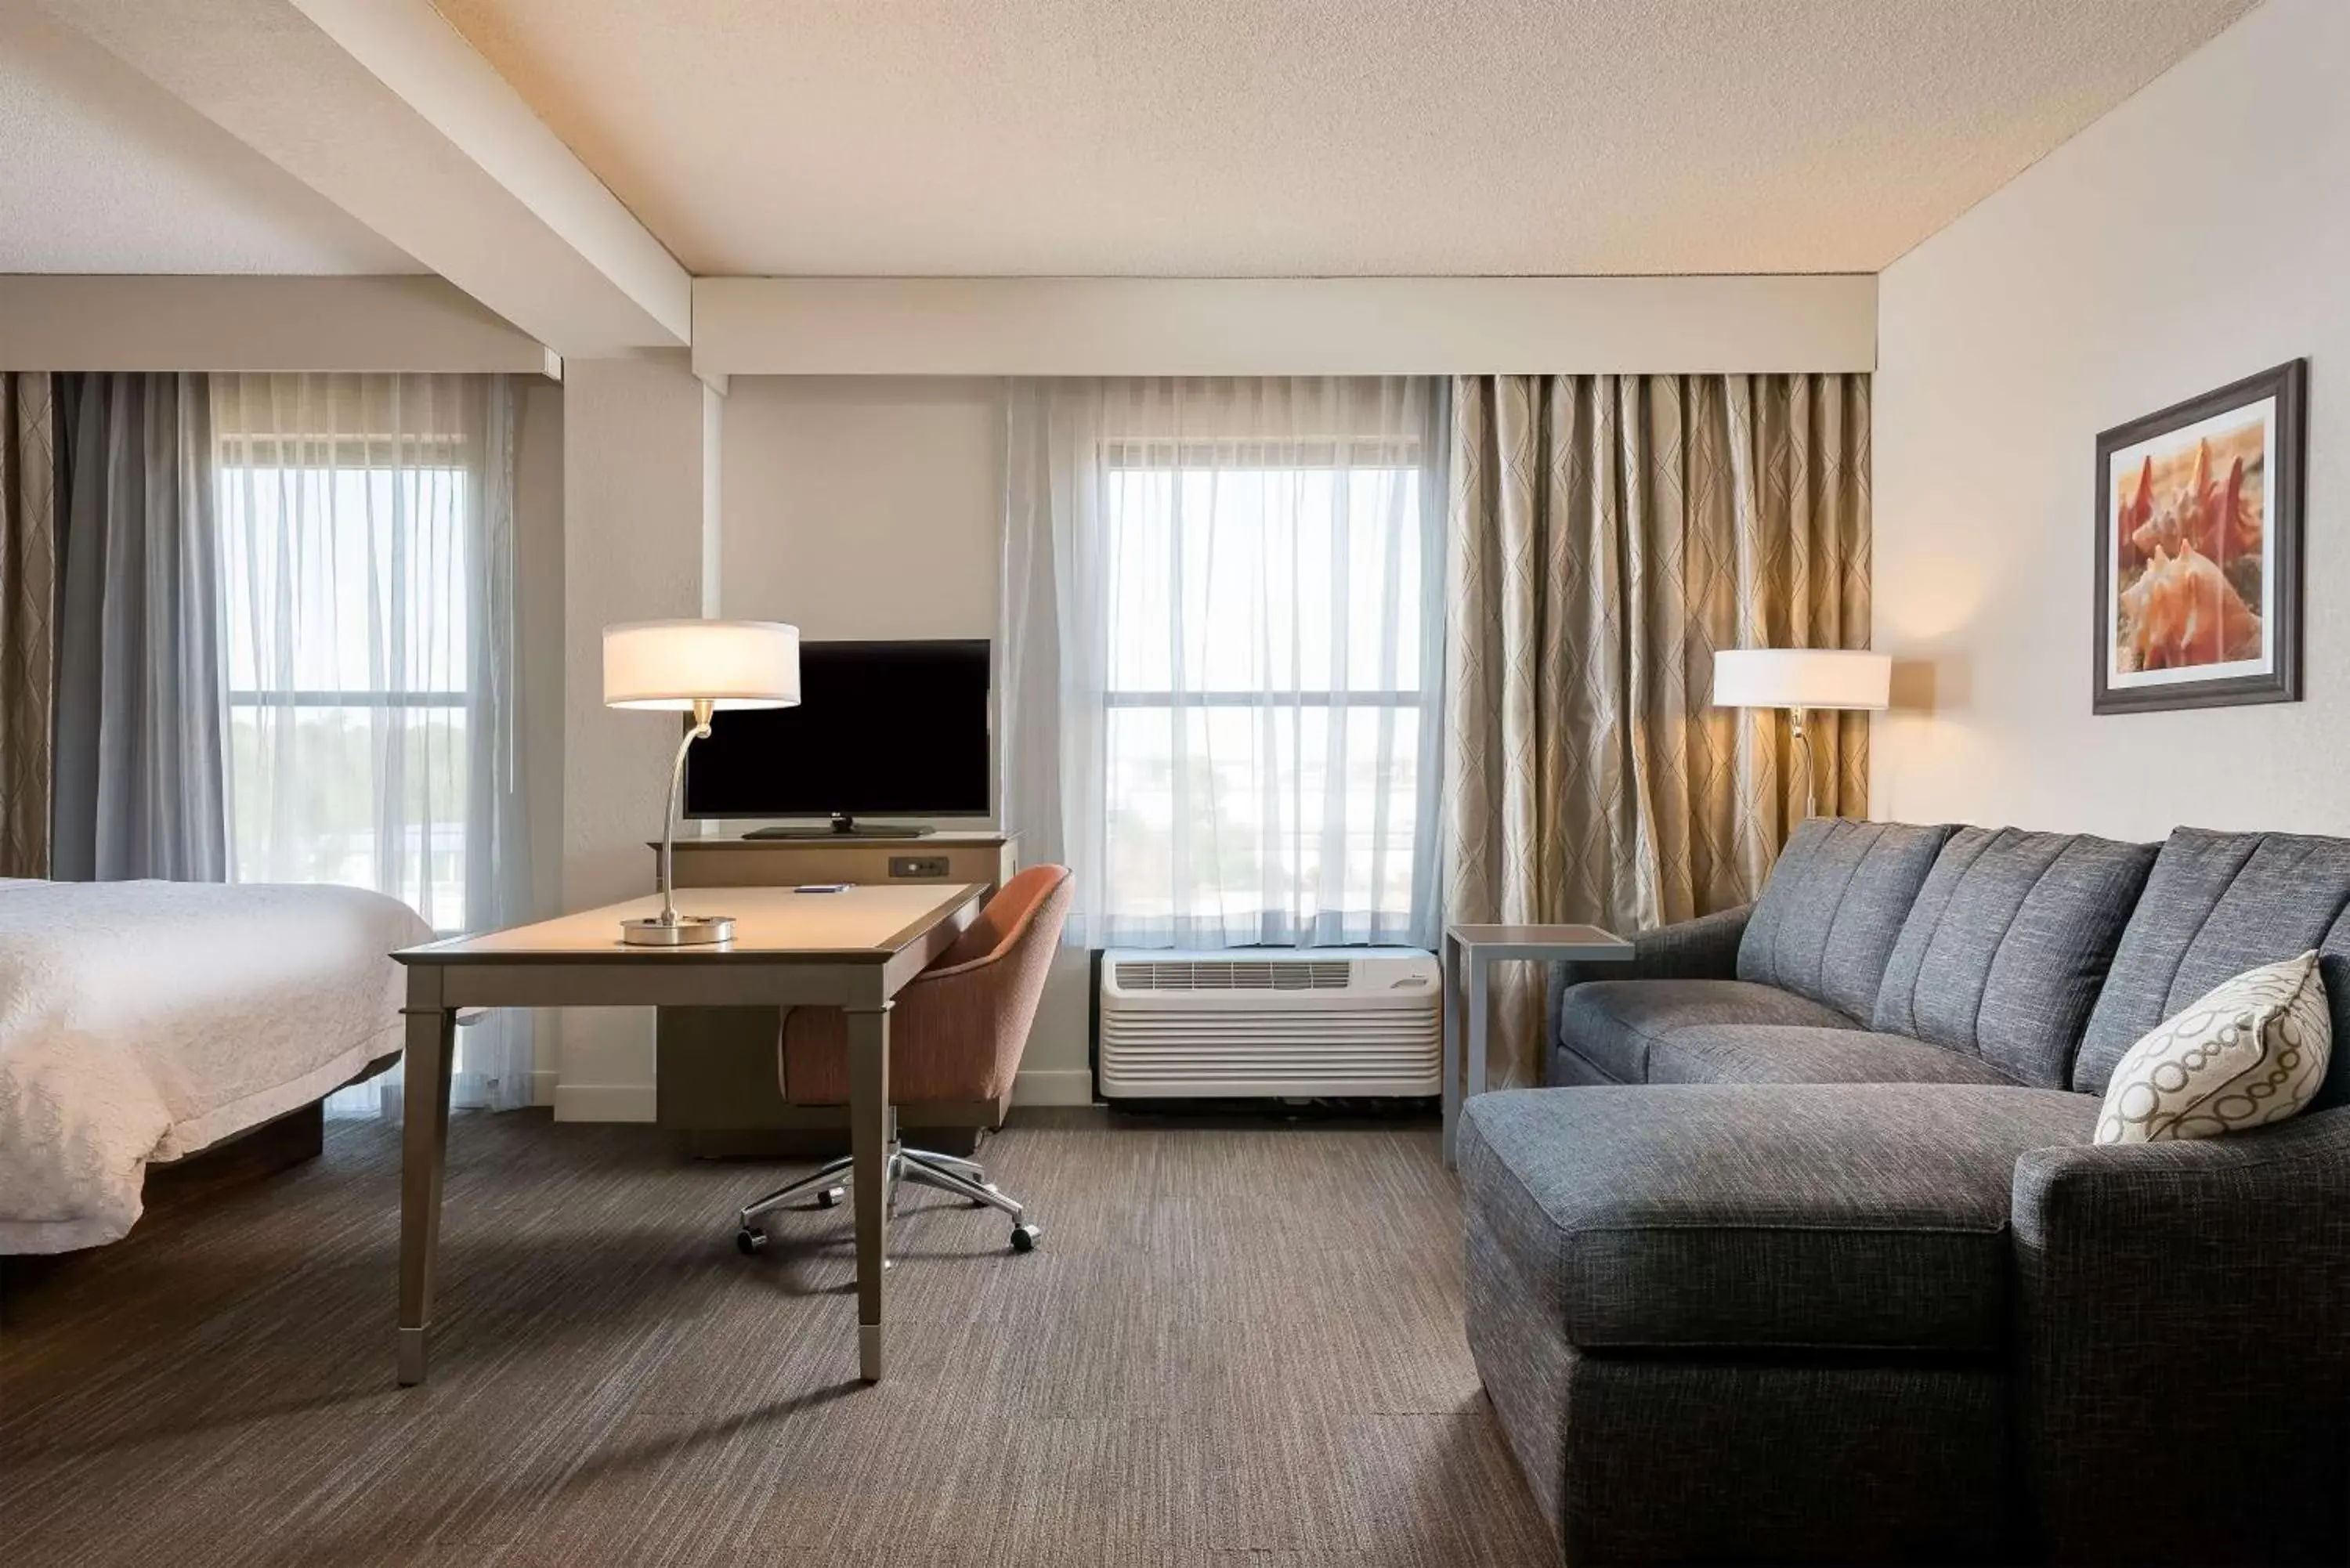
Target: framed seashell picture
(2199,549)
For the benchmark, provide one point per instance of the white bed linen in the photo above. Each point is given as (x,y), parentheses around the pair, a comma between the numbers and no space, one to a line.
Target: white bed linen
(143,1021)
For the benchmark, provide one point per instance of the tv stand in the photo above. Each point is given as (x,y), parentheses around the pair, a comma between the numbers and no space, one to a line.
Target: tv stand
(842,826)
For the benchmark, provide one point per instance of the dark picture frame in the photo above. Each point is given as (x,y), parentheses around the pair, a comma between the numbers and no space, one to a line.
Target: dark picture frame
(2164,605)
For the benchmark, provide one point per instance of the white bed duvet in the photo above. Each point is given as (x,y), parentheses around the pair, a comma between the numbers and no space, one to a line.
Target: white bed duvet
(143,1021)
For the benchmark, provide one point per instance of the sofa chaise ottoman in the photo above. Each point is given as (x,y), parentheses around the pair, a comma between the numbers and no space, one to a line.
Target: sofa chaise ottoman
(1812,1257)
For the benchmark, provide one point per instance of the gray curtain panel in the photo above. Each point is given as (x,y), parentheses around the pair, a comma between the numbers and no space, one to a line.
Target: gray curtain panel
(1607,534)
(141,703)
(29,593)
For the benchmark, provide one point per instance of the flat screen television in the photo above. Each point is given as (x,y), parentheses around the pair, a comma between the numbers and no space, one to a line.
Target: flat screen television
(882,728)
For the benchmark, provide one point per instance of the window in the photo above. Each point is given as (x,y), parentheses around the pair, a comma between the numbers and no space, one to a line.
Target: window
(368,628)
(345,596)
(1219,658)
(1268,635)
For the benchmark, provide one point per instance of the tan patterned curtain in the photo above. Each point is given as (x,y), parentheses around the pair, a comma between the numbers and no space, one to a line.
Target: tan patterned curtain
(1606,534)
(28,558)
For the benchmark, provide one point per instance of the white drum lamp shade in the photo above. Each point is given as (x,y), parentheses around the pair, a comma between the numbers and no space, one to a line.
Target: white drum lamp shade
(1801,677)
(674,665)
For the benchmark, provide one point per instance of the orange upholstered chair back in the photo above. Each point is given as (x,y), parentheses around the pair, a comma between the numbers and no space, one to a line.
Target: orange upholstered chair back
(1001,920)
(959,1027)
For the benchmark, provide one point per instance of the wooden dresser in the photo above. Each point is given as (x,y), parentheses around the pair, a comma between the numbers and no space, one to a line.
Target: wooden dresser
(716,1066)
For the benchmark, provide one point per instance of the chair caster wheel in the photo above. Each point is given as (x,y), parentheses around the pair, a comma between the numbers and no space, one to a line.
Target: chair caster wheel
(1024,1238)
(830,1196)
(750,1242)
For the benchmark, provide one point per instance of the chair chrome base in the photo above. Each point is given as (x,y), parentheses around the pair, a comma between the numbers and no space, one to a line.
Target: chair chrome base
(947,1172)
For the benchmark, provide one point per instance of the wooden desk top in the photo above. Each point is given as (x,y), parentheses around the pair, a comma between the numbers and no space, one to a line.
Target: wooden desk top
(866,924)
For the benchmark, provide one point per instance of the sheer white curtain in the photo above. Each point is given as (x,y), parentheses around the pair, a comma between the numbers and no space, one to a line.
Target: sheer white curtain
(367,561)
(1220,655)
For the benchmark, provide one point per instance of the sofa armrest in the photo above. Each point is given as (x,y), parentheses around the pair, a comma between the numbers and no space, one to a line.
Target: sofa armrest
(1702,948)
(2184,1330)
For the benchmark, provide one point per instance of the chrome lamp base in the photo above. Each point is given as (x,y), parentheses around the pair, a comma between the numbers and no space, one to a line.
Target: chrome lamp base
(679,931)
(669,929)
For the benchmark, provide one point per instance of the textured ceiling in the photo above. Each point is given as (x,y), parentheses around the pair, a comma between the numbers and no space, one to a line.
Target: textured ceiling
(102,172)
(1316,136)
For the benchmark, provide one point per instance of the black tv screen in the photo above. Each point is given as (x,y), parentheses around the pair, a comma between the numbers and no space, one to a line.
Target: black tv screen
(881,728)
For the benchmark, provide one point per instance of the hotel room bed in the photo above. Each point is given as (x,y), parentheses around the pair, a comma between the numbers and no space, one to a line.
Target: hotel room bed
(144,1020)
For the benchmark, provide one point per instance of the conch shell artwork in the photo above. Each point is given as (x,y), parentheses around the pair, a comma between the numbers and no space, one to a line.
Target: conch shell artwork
(2198,522)
(2188,581)
(2183,611)
(2200,515)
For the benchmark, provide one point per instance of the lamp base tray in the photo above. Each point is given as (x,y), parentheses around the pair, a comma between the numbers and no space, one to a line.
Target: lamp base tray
(685,931)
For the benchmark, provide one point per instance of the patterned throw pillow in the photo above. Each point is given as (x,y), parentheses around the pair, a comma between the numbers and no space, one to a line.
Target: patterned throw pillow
(2251,1052)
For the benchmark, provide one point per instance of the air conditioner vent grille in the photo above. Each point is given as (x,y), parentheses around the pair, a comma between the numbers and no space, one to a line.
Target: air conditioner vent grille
(1235,974)
(1355,1023)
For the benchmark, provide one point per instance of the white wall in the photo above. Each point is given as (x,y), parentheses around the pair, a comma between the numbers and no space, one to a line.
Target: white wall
(538,551)
(2196,235)
(870,507)
(632,522)
(863,508)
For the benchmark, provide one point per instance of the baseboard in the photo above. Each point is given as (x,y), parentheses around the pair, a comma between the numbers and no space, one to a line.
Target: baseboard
(1054,1087)
(544,1084)
(605,1103)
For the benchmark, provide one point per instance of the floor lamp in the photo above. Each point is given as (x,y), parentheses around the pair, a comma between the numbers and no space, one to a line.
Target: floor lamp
(1799,680)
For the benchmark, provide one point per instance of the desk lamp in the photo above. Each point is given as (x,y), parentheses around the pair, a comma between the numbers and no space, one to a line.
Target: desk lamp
(697,666)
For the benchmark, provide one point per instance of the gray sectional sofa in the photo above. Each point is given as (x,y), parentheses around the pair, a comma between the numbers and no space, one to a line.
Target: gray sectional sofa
(1811,1257)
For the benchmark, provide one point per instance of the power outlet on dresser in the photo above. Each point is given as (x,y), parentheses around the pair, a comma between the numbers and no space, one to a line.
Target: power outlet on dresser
(915,868)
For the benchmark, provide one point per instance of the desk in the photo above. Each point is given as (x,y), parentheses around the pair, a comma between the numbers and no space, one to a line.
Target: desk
(1474,949)
(853,950)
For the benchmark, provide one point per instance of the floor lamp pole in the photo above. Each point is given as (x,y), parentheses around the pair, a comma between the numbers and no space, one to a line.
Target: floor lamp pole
(1810,781)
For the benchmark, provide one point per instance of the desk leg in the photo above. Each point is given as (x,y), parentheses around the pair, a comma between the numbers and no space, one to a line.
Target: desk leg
(869,1145)
(424,1150)
(1449,966)
(1479,982)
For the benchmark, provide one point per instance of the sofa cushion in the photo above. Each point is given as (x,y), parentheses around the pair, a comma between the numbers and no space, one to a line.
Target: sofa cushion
(2250,1052)
(1791,1053)
(1826,1216)
(2215,905)
(1828,916)
(1611,1023)
(2005,951)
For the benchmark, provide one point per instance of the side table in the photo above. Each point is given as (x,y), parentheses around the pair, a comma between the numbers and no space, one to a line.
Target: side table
(1468,961)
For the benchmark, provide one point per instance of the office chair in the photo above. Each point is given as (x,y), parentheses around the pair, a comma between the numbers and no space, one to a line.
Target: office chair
(956,1033)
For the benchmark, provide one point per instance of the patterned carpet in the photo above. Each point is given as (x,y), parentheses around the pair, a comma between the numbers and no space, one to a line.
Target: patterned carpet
(1237,1343)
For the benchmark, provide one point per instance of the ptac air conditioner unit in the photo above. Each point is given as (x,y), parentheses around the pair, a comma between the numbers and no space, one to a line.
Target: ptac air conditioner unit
(1303,1022)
